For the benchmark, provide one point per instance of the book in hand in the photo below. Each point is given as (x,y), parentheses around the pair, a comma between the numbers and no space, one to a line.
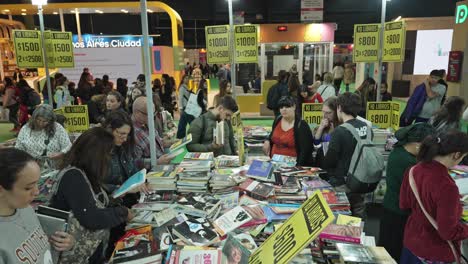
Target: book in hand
(218,133)
(351,253)
(196,232)
(52,220)
(180,143)
(136,180)
(234,252)
(261,170)
(231,220)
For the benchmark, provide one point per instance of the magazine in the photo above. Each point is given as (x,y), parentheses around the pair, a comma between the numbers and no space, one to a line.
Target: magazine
(136,180)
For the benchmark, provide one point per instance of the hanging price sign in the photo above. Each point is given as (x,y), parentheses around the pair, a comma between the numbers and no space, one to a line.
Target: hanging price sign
(246,44)
(394,42)
(62,49)
(366,42)
(28,48)
(312,113)
(217,44)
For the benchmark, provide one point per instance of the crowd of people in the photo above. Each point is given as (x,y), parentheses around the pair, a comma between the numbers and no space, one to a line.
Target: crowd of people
(103,157)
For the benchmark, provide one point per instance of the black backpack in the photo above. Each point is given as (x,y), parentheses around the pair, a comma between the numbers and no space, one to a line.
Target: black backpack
(31,98)
(273,97)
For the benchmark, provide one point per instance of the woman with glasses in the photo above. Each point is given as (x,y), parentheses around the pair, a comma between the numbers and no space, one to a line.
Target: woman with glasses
(42,137)
(290,136)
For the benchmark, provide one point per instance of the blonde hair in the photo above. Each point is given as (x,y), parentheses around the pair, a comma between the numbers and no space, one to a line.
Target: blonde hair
(328,78)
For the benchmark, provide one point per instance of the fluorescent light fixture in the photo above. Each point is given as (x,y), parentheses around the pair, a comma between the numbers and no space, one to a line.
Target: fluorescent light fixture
(39,2)
(149,10)
(398,18)
(124,11)
(24,10)
(55,13)
(23,14)
(6,10)
(73,11)
(99,11)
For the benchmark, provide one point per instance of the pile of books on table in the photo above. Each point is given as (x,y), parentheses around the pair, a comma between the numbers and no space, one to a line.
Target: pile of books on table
(194,175)
(164,177)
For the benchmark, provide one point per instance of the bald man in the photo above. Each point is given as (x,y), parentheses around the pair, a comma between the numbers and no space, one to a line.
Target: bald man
(140,124)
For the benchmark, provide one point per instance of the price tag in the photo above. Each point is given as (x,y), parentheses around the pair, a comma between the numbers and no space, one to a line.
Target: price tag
(61,47)
(312,113)
(246,43)
(395,116)
(380,114)
(28,48)
(366,42)
(394,42)
(217,44)
(77,119)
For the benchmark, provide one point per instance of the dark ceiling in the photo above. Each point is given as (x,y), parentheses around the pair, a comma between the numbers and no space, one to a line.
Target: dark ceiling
(196,14)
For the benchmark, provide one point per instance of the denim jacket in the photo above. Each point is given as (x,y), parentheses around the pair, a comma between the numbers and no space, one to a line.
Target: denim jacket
(121,167)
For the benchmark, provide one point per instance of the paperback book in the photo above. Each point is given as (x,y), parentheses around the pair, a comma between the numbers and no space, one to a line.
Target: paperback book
(231,220)
(196,232)
(136,180)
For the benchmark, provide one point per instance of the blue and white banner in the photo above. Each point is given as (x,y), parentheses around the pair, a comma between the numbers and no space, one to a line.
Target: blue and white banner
(101,41)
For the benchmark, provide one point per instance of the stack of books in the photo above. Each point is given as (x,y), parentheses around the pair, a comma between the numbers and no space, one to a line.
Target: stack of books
(194,176)
(227,161)
(163,177)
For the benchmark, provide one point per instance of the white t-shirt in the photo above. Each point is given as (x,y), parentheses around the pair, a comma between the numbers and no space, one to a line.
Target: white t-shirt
(326,91)
(338,72)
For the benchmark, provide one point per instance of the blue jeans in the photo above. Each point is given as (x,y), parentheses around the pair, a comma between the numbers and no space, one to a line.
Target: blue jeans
(185,119)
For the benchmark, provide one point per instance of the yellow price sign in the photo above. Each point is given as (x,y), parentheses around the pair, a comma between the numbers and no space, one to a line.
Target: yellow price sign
(395,116)
(312,113)
(394,42)
(296,233)
(246,44)
(366,42)
(379,113)
(28,48)
(62,49)
(77,119)
(49,48)
(236,120)
(217,44)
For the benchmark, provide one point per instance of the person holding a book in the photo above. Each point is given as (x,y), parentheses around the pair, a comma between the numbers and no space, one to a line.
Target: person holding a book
(434,230)
(140,124)
(290,135)
(402,157)
(22,238)
(80,191)
(204,137)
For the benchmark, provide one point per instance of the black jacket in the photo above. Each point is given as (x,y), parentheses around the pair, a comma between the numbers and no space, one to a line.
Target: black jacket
(303,139)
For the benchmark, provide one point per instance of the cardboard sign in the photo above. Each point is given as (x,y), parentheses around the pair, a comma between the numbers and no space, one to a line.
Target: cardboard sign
(394,42)
(312,113)
(366,42)
(61,49)
(246,44)
(236,120)
(28,48)
(296,233)
(395,116)
(77,119)
(217,44)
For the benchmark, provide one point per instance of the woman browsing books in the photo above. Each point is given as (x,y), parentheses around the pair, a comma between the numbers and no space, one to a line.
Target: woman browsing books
(434,231)
(80,191)
(402,157)
(22,238)
(290,135)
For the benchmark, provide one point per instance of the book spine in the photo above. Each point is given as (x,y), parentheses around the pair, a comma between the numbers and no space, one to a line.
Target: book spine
(340,238)
(254,223)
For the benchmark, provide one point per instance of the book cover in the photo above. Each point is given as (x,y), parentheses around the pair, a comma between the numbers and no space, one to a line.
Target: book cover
(52,220)
(231,220)
(348,220)
(234,252)
(180,143)
(351,234)
(199,156)
(198,256)
(161,197)
(218,133)
(258,189)
(261,170)
(247,241)
(351,253)
(141,250)
(136,180)
(288,160)
(196,232)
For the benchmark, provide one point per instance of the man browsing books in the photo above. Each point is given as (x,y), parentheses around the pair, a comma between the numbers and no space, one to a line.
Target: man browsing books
(210,131)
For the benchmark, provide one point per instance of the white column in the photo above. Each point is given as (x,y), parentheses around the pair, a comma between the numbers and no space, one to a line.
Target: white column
(62,23)
(263,64)
(78,24)
(300,63)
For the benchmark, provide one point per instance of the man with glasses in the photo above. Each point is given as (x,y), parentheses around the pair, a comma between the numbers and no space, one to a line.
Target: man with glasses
(140,124)
(202,129)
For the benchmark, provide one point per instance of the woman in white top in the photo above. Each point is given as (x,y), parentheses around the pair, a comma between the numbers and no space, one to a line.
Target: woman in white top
(327,90)
(42,137)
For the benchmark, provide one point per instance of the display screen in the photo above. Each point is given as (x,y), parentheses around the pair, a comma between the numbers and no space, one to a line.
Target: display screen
(432,50)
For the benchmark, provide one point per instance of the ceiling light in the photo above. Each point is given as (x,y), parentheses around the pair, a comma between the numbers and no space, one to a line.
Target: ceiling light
(6,10)
(39,2)
(149,10)
(24,10)
(23,14)
(73,11)
(124,11)
(55,13)
(99,11)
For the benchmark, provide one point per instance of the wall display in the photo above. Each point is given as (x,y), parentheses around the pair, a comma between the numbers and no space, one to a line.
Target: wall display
(366,42)
(246,43)
(217,44)
(296,233)
(384,114)
(312,113)
(432,50)
(394,42)
(28,48)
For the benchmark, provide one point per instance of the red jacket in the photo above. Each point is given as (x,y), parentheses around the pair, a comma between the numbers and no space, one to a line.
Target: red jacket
(441,199)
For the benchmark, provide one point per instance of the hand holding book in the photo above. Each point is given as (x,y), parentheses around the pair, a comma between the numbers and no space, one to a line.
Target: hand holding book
(62,241)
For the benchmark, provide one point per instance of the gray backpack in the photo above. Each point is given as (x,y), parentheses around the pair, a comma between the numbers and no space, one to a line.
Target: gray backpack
(366,166)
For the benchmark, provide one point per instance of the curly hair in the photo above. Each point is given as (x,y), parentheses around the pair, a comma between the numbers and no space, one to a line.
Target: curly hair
(47,112)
